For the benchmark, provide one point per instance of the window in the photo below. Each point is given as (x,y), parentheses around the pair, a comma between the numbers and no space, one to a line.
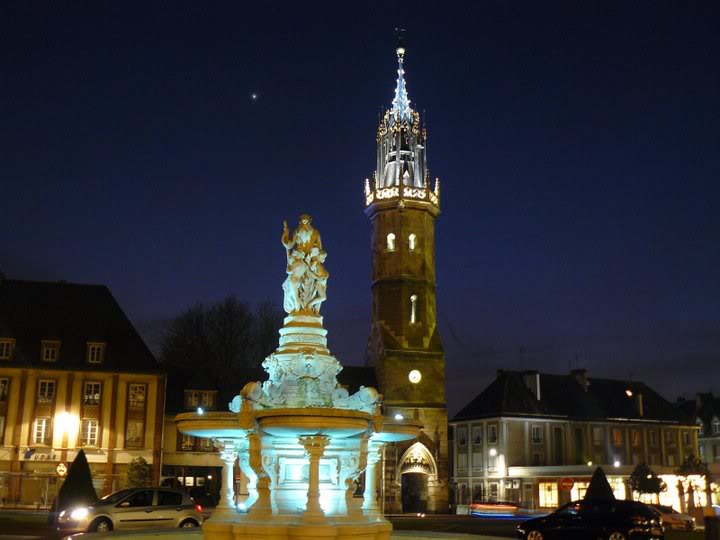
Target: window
(671,460)
(50,350)
(135,434)
(462,436)
(4,387)
(669,437)
(493,491)
(686,438)
(700,424)
(635,437)
(200,398)
(89,432)
(188,442)
(652,437)
(548,494)
(536,459)
(136,396)
(91,393)
(462,462)
(139,498)
(95,353)
(715,425)
(597,433)
(477,461)
(206,445)
(2,427)
(477,435)
(537,435)
(169,498)
(391,242)
(412,242)
(617,437)
(41,431)
(413,309)
(6,348)
(492,434)
(492,462)
(46,391)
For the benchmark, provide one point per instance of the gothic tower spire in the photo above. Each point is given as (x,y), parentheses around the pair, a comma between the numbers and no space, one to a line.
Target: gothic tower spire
(404,346)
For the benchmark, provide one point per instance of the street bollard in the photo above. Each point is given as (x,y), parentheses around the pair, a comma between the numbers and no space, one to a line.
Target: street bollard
(712,524)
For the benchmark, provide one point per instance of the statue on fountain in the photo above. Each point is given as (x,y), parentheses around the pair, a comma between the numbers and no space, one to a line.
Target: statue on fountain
(306,283)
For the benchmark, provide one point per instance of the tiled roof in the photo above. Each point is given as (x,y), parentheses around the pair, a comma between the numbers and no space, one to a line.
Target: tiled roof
(31,311)
(563,396)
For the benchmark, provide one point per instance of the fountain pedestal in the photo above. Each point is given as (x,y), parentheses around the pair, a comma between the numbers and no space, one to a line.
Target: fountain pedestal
(301,439)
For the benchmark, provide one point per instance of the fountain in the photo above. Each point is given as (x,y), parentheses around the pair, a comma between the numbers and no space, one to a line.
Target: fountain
(300,438)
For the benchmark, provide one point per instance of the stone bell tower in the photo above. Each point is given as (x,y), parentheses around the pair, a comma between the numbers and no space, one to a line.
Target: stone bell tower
(404,345)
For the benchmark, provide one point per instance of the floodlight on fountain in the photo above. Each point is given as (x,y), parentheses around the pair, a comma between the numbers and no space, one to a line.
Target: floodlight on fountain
(200,410)
(399,417)
(616,464)
(493,452)
(589,463)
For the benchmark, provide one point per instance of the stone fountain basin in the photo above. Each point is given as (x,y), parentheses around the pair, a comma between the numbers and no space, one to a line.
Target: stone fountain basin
(216,424)
(296,422)
(398,430)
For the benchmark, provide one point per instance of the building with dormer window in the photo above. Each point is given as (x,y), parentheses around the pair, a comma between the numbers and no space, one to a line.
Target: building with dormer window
(74,373)
(534,439)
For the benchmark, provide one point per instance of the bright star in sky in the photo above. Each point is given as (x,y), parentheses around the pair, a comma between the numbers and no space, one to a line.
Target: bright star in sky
(253,96)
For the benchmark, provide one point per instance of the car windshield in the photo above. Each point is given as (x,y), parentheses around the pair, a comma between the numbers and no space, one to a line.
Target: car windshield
(115,497)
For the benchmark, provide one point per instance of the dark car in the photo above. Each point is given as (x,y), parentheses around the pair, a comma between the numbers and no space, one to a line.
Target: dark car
(590,520)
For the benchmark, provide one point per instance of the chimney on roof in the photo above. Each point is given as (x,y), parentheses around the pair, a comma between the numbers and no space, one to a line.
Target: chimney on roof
(698,400)
(639,404)
(532,381)
(581,377)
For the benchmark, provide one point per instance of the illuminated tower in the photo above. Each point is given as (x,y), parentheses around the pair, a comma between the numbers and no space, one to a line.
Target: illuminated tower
(404,345)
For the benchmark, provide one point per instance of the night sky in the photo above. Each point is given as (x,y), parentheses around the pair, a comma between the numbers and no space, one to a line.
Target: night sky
(577,145)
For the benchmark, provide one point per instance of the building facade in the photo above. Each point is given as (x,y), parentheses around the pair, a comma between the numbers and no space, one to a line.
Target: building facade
(705,409)
(74,374)
(534,439)
(404,347)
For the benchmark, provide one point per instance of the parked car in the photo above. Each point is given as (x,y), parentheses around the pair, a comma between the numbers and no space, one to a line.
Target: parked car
(139,508)
(672,519)
(609,520)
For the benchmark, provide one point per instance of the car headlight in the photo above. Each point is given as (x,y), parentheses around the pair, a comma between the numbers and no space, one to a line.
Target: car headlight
(62,513)
(79,513)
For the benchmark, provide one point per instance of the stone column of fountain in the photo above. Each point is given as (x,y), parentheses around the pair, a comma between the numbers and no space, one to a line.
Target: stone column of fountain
(301,439)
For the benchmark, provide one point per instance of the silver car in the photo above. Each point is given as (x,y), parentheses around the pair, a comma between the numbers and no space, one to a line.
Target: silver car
(139,508)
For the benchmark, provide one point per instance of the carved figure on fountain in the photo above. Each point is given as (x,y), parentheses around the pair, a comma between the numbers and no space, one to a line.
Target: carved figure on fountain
(306,283)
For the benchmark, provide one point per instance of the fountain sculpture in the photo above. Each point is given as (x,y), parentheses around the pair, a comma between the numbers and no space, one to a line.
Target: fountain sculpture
(300,438)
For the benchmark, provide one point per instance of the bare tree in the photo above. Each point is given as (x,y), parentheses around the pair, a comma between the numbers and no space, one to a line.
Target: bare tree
(223,339)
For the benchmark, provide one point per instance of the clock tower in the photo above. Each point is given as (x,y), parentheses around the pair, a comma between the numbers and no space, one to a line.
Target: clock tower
(404,346)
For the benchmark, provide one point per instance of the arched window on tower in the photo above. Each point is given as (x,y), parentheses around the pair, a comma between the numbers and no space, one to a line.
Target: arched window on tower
(412,242)
(391,242)
(413,309)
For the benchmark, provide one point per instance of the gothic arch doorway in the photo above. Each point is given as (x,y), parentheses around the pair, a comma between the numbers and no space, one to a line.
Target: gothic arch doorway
(417,470)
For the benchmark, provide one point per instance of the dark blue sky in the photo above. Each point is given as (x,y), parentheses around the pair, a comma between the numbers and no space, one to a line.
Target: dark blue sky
(577,145)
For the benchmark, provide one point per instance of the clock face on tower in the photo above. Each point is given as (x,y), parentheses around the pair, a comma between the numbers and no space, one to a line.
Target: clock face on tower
(414,376)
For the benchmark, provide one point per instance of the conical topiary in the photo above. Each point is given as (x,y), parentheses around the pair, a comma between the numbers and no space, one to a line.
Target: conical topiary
(77,490)
(599,488)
